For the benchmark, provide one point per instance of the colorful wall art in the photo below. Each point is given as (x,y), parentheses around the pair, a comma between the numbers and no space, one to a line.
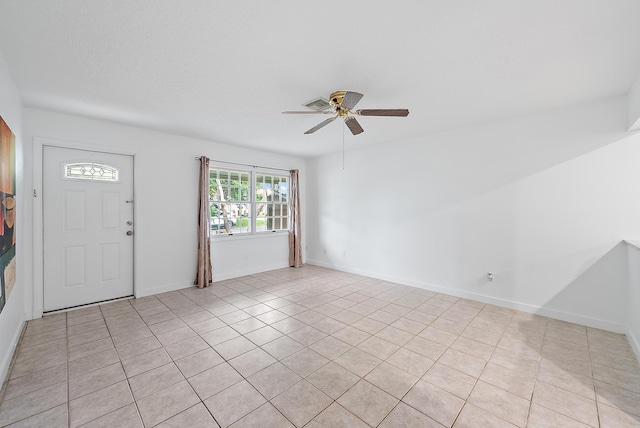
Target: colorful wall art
(7,212)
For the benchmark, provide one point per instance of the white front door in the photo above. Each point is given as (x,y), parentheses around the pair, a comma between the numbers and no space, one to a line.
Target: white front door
(88,227)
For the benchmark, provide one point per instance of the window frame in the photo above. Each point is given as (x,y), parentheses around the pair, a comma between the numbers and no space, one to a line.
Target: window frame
(253,203)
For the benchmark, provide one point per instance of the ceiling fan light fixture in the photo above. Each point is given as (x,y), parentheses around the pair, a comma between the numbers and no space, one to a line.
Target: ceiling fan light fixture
(318,104)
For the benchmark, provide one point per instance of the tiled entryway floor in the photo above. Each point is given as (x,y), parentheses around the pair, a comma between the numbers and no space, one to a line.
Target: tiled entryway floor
(316,347)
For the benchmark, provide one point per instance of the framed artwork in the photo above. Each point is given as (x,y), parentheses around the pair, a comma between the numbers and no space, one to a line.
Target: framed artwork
(7,212)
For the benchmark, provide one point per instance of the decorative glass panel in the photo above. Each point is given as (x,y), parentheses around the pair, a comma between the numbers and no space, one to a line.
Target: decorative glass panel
(90,171)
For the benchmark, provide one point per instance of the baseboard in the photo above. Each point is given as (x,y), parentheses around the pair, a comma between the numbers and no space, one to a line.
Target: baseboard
(163,289)
(533,309)
(249,271)
(6,358)
(635,344)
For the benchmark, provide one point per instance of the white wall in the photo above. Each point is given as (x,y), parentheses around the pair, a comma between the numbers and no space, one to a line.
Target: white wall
(166,198)
(13,315)
(634,106)
(542,201)
(633,331)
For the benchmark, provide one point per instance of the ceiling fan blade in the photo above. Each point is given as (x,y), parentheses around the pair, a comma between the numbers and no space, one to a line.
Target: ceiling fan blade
(350,100)
(308,112)
(321,124)
(400,112)
(353,125)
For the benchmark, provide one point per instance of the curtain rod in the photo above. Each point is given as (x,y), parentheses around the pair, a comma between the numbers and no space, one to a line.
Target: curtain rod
(245,164)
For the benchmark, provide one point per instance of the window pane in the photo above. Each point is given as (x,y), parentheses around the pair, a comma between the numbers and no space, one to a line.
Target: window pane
(285,223)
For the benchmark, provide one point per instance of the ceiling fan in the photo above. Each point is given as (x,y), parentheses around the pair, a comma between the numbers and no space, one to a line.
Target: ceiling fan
(340,104)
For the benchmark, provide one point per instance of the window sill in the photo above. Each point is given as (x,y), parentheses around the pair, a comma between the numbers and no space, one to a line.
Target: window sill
(240,237)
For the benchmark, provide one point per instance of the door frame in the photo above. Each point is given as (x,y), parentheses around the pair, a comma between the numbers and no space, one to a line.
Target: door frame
(38,214)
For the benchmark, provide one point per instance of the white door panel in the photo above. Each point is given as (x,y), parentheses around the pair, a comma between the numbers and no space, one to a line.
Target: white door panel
(88,256)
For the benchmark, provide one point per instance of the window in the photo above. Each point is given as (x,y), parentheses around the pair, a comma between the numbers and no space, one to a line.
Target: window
(246,202)
(90,171)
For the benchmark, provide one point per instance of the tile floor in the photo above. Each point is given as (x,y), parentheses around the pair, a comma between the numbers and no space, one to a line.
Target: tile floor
(315,347)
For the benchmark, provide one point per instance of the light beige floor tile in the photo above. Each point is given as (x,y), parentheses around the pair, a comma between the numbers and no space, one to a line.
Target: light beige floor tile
(369,325)
(305,362)
(425,347)
(620,398)
(301,403)
(94,362)
(509,380)
(408,325)
(330,347)
(31,365)
(368,402)
(336,416)
(145,362)
(288,325)
(438,335)
(196,416)
(186,347)
(32,403)
(614,418)
(131,336)
(95,380)
(165,326)
(451,380)
(565,402)
(282,347)
(274,379)
(551,373)
(358,362)
(90,348)
(499,402)
(435,402)
(406,416)
(462,362)
(234,403)
(124,417)
(154,380)
(99,403)
(263,335)
(541,417)
(391,379)
(351,335)
(174,336)
(252,362)
(214,380)
(474,417)
(166,403)
(395,335)
(410,362)
(329,325)
(198,362)
(333,380)
(219,335)
(41,351)
(234,347)
(265,416)
(33,382)
(57,417)
(207,325)
(139,347)
(378,347)
(307,335)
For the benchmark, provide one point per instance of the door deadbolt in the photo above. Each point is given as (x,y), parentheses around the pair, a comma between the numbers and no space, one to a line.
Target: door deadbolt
(129,232)
(129,223)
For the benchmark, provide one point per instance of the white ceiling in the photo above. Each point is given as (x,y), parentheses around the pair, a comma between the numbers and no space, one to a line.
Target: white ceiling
(223,71)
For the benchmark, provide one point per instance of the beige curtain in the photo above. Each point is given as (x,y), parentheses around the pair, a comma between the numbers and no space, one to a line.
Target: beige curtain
(204,276)
(295,248)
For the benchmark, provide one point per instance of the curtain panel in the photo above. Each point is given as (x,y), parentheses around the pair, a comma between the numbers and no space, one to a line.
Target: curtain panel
(204,272)
(295,248)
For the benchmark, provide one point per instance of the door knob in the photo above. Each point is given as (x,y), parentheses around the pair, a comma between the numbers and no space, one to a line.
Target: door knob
(129,232)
